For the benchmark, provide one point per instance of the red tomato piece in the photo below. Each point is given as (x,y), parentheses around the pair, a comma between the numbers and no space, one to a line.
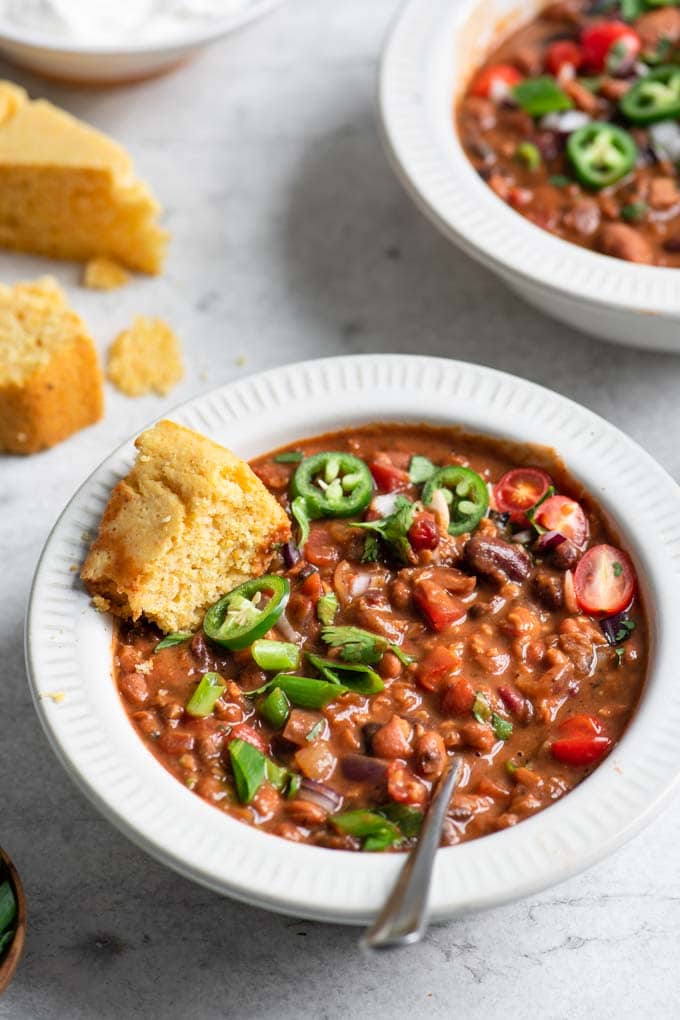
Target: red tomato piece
(387,477)
(459,697)
(518,490)
(312,586)
(604,581)
(437,664)
(424,533)
(581,726)
(563,53)
(250,735)
(403,786)
(320,549)
(609,46)
(496,81)
(438,606)
(559,513)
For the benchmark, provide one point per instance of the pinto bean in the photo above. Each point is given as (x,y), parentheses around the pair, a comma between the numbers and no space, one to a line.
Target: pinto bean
(478,735)
(374,612)
(497,559)
(303,812)
(430,755)
(624,242)
(658,25)
(135,688)
(393,740)
(548,589)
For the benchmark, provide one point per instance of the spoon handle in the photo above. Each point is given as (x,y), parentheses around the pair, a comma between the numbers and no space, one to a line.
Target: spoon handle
(403,919)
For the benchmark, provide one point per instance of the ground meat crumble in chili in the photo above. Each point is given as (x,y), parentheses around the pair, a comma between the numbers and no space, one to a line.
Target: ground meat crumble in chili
(477,644)
(573,121)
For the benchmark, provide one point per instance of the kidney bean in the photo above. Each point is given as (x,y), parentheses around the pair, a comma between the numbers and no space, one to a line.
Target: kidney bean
(496,559)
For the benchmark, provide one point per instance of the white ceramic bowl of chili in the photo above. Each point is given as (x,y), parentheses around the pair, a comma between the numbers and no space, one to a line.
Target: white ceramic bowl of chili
(431,53)
(69,650)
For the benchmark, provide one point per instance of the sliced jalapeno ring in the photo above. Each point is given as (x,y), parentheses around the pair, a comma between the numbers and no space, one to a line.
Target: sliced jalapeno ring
(247,612)
(654,97)
(601,154)
(468,493)
(332,484)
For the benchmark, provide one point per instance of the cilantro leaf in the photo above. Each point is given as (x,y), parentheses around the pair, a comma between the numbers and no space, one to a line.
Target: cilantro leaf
(393,529)
(420,470)
(327,607)
(371,549)
(355,644)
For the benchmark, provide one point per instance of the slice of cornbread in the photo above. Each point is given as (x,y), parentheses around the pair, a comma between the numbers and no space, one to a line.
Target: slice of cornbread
(145,358)
(50,380)
(68,191)
(189,523)
(103,273)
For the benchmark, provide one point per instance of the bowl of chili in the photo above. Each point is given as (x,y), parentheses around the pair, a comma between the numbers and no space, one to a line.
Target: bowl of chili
(494,121)
(617,758)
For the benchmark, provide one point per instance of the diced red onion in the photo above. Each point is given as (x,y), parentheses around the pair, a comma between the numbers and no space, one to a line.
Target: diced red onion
(287,630)
(291,554)
(440,509)
(523,537)
(319,793)
(566,122)
(362,769)
(611,626)
(385,504)
(360,583)
(665,139)
(549,540)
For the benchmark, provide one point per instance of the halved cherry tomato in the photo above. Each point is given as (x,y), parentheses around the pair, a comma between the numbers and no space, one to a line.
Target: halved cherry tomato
(437,605)
(609,46)
(424,533)
(604,581)
(559,513)
(387,477)
(437,664)
(562,53)
(582,741)
(518,490)
(496,81)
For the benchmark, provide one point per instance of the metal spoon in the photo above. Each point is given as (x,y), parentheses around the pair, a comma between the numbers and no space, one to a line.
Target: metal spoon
(403,919)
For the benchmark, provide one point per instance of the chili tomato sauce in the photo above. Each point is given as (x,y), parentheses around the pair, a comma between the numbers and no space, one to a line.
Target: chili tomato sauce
(595,59)
(518,682)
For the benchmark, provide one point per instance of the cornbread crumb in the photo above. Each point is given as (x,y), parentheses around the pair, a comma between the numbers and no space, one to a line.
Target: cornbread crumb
(50,380)
(102,605)
(103,273)
(145,667)
(145,358)
(56,696)
(69,191)
(223,527)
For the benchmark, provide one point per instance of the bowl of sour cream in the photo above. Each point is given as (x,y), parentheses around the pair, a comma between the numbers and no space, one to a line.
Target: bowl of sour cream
(110,42)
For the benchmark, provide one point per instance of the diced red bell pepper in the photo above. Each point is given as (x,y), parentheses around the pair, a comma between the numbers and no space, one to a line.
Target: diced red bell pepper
(438,606)
(387,477)
(582,741)
(437,664)
(458,697)
(312,586)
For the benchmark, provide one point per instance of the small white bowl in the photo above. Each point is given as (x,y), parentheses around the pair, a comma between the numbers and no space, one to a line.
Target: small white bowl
(68,650)
(432,50)
(84,63)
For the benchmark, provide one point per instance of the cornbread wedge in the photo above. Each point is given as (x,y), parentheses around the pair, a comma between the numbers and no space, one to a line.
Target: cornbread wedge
(50,380)
(145,358)
(189,523)
(68,191)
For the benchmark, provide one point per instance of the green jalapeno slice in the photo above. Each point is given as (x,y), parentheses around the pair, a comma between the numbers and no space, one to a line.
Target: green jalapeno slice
(467,492)
(654,97)
(601,154)
(332,485)
(247,612)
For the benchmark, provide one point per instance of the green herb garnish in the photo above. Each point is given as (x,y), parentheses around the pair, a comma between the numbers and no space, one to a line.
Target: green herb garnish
(420,470)
(170,640)
(481,709)
(210,689)
(501,727)
(559,180)
(538,96)
(316,731)
(634,212)
(327,607)
(393,529)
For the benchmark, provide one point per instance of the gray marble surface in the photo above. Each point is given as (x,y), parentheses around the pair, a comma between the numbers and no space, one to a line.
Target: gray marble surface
(292,239)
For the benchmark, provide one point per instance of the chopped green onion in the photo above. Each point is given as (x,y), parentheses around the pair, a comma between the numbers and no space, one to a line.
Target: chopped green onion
(529,154)
(248,766)
(298,508)
(294,784)
(275,655)
(275,708)
(511,767)
(377,832)
(276,774)
(172,639)
(634,212)
(632,9)
(316,731)
(327,607)
(420,470)
(538,96)
(210,689)
(501,727)
(306,692)
(288,457)
(8,905)
(481,709)
(408,818)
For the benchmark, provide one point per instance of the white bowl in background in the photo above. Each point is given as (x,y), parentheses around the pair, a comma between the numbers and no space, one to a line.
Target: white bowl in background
(85,63)
(68,650)
(431,52)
